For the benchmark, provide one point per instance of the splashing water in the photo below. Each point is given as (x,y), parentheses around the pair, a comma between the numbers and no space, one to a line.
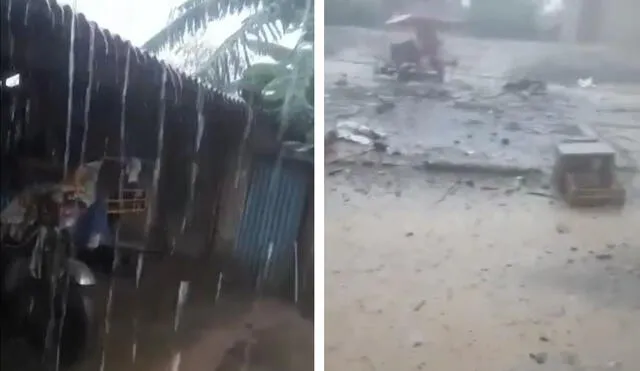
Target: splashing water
(87,95)
(67,139)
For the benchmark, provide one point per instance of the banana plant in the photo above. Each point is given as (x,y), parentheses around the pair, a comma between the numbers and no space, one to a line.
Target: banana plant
(284,87)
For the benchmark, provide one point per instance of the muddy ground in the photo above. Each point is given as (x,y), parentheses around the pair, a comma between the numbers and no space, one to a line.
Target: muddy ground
(462,272)
(449,250)
(232,331)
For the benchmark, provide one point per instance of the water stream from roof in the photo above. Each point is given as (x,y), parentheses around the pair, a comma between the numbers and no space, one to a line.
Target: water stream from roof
(67,139)
(87,95)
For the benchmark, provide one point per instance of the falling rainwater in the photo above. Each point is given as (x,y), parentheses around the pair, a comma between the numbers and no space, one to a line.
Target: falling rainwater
(106,42)
(26,13)
(265,270)
(296,272)
(183,292)
(87,95)
(14,104)
(160,146)
(72,43)
(243,144)
(116,247)
(194,163)
(27,112)
(175,364)
(219,286)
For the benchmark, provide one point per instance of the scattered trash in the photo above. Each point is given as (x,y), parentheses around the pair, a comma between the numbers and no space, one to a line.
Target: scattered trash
(380,146)
(384,106)
(544,339)
(336,171)
(342,81)
(419,305)
(358,133)
(562,228)
(539,358)
(540,194)
(528,86)
(604,256)
(408,234)
(505,141)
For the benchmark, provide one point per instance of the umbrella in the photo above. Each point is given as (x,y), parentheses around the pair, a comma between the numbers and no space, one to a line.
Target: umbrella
(412,21)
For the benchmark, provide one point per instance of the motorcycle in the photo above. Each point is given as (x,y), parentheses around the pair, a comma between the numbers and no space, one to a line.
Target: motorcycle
(46,291)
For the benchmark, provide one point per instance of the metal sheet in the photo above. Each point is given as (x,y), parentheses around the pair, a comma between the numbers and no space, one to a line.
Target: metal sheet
(271,219)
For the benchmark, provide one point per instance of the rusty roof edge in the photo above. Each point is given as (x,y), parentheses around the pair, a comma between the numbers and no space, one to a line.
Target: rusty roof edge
(46,8)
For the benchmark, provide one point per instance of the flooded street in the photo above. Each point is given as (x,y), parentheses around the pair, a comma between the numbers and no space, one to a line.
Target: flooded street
(436,272)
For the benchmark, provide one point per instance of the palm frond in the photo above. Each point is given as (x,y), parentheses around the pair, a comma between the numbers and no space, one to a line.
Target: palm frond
(194,15)
(276,51)
(230,58)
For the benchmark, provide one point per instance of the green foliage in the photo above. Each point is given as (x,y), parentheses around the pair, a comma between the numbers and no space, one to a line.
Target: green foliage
(283,88)
(504,18)
(268,21)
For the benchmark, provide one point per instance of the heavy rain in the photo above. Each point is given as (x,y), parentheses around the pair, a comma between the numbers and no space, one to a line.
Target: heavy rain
(137,233)
(481,190)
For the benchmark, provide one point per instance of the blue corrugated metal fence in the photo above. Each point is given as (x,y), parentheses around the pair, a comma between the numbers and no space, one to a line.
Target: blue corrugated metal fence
(272,216)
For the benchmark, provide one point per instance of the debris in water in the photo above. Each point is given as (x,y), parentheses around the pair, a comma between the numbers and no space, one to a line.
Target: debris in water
(384,106)
(419,305)
(562,228)
(357,133)
(539,358)
(604,256)
(380,146)
(531,87)
(342,81)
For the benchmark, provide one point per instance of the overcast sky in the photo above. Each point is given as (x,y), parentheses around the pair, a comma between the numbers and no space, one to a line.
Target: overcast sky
(138,20)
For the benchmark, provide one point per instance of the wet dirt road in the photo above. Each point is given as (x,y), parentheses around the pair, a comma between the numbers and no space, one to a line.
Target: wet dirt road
(422,274)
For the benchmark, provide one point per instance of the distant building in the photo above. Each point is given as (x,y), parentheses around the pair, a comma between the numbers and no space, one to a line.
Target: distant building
(601,21)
